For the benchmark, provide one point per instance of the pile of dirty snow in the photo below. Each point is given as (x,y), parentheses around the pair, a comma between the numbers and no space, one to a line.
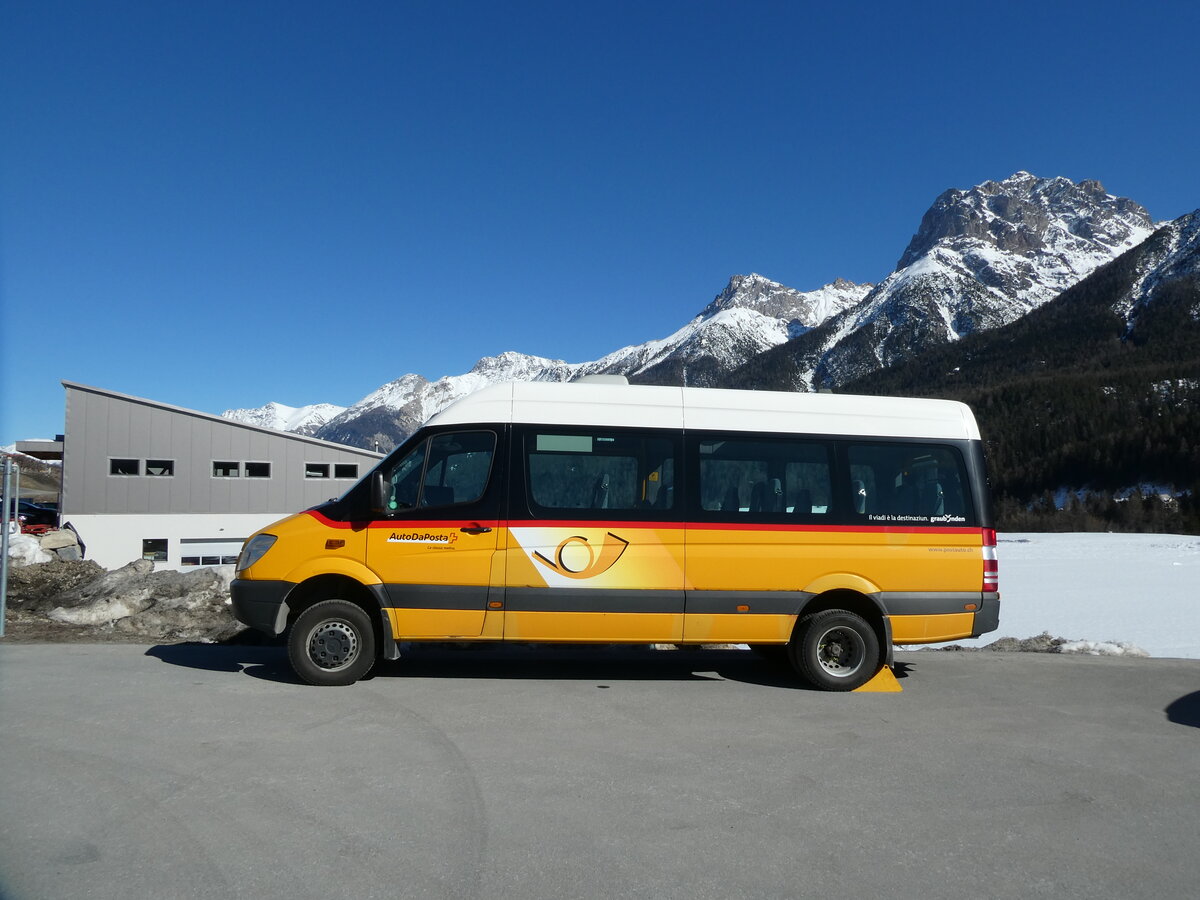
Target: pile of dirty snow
(79,600)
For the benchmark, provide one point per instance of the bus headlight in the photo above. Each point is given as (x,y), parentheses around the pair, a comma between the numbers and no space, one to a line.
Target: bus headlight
(255,549)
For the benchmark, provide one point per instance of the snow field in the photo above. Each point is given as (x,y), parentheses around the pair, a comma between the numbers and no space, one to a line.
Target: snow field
(1102,592)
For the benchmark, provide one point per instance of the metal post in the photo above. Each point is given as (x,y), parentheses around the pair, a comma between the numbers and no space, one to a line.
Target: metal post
(10,512)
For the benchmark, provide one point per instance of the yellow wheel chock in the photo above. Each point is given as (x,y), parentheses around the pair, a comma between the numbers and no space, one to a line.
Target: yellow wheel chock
(884,682)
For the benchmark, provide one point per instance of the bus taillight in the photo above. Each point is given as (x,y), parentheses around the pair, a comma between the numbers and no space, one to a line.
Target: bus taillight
(991,563)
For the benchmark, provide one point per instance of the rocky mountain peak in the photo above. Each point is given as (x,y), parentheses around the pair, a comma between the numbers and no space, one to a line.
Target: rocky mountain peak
(752,291)
(512,366)
(770,298)
(1027,215)
(982,257)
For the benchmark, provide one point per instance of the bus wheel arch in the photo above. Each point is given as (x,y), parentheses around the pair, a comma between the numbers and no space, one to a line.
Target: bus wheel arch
(324,591)
(840,640)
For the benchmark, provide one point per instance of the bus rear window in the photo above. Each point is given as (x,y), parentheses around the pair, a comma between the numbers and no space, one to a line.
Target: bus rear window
(907,482)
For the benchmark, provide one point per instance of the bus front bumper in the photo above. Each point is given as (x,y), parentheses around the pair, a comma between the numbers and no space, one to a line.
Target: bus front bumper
(261,604)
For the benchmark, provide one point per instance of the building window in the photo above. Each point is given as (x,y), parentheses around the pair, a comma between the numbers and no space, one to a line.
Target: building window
(209,561)
(345,470)
(160,467)
(154,549)
(124,467)
(222,469)
(316,470)
(258,470)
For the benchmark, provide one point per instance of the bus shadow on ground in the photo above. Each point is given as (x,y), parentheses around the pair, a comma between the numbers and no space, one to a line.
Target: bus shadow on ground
(262,661)
(589,663)
(521,662)
(1185,710)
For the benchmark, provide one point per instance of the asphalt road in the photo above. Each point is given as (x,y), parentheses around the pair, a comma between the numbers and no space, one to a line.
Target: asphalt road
(200,771)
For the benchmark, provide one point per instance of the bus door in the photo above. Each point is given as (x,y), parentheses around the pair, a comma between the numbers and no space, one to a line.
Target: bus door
(596,552)
(436,552)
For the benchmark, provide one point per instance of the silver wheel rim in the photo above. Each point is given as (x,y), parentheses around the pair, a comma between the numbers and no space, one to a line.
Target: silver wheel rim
(840,651)
(333,645)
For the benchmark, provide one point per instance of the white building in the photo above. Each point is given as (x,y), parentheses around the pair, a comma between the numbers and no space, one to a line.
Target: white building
(146,480)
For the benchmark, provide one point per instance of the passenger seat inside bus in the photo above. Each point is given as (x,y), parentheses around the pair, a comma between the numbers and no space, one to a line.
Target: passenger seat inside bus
(931,499)
(767,496)
(600,492)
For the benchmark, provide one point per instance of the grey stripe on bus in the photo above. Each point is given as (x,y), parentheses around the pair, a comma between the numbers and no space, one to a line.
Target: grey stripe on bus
(592,600)
(438,596)
(596,600)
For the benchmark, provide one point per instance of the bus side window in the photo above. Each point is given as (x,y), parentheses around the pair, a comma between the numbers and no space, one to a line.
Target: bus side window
(458,468)
(767,479)
(599,471)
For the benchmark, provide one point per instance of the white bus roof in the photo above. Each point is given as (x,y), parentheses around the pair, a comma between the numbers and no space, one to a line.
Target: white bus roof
(709,409)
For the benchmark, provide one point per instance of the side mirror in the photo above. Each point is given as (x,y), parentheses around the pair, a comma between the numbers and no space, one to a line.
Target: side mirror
(379,494)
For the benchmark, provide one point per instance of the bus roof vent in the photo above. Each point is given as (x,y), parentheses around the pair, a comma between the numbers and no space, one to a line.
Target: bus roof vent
(601,379)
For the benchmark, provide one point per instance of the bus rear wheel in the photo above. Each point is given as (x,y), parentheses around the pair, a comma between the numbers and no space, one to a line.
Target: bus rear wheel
(332,643)
(835,650)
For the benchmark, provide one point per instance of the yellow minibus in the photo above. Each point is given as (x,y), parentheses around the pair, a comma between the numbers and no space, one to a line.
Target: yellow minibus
(822,527)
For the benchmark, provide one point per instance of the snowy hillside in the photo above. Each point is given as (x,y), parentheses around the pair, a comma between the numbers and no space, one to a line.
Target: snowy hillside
(1174,255)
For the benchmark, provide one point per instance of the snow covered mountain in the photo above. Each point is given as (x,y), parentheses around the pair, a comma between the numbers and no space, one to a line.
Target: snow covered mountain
(390,413)
(981,258)
(297,419)
(751,315)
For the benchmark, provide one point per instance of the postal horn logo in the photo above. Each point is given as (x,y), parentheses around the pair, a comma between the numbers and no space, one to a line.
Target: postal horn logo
(577,558)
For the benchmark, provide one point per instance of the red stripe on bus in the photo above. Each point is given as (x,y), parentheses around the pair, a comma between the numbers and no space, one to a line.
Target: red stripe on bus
(631,525)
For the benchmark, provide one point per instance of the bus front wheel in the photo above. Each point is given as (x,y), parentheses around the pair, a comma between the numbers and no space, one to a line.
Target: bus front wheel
(332,643)
(835,650)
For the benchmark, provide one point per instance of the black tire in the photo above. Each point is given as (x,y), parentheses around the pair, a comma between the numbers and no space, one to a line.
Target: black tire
(332,643)
(835,650)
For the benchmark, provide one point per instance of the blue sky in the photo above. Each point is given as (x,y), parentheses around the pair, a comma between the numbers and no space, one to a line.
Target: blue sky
(218,204)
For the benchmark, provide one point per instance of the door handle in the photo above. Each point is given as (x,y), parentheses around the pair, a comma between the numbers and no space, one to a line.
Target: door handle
(475,528)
